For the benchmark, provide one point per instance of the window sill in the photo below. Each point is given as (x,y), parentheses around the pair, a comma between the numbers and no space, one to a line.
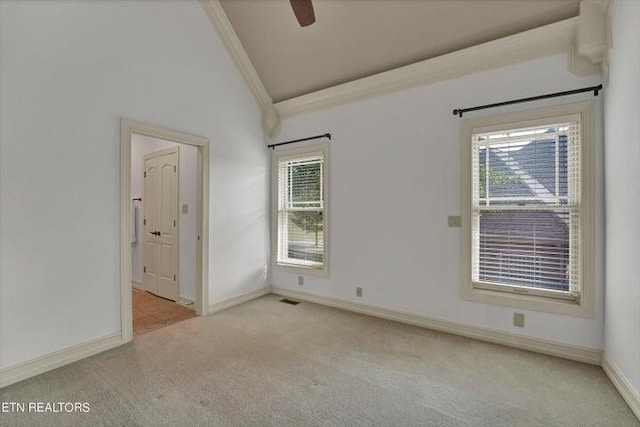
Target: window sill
(302,270)
(528,302)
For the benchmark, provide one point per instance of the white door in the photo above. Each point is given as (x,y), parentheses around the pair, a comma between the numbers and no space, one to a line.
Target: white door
(159,225)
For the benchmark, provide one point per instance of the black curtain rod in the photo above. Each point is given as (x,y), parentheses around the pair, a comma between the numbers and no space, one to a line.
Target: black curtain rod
(594,89)
(273,146)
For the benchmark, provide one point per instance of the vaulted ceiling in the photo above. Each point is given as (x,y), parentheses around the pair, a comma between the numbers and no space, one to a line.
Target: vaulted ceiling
(357,38)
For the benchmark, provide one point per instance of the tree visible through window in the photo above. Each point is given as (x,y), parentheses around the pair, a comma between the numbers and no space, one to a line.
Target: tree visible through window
(526,208)
(301,223)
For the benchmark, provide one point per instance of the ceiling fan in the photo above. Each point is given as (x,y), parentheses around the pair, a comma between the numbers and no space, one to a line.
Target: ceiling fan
(303,9)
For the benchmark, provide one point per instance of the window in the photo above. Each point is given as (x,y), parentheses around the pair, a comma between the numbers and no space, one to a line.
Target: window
(301,209)
(527,226)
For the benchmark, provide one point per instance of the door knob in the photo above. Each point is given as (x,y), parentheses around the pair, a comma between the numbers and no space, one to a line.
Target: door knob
(155,233)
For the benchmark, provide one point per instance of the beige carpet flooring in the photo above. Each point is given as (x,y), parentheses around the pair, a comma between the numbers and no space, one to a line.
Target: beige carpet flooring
(266,363)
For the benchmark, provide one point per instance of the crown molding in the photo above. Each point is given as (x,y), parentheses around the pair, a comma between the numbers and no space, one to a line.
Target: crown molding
(580,65)
(592,30)
(538,42)
(608,13)
(579,37)
(230,39)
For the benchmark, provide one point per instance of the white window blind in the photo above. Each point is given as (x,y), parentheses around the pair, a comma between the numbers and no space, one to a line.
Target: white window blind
(526,210)
(301,216)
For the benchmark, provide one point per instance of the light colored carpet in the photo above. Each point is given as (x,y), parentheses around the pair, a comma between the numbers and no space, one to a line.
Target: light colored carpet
(267,363)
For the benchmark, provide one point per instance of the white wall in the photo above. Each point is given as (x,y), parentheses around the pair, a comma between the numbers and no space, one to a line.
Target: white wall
(69,70)
(622,136)
(394,178)
(187,223)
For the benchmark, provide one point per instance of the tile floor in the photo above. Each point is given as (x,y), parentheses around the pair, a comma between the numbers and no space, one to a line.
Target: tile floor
(151,312)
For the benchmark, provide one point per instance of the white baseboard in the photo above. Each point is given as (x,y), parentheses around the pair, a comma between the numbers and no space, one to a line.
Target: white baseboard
(28,369)
(22,371)
(565,351)
(182,299)
(223,305)
(626,390)
(187,301)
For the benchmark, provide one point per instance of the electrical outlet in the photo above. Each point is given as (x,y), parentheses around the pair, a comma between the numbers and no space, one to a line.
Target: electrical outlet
(301,280)
(185,208)
(359,292)
(454,221)
(518,320)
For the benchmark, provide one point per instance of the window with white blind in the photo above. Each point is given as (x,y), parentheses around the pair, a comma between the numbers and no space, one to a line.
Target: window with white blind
(528,208)
(300,209)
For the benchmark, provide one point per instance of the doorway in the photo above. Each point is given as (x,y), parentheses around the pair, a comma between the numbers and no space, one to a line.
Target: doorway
(164,233)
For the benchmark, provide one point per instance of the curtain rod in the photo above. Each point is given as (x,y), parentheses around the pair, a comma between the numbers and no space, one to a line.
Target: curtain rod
(594,89)
(273,146)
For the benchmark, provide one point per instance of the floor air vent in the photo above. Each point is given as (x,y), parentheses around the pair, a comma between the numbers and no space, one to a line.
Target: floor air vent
(288,301)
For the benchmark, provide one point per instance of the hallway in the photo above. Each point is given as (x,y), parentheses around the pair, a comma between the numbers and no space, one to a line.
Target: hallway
(151,312)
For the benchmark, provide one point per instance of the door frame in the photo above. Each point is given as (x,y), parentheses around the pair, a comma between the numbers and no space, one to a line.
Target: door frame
(171,150)
(127,128)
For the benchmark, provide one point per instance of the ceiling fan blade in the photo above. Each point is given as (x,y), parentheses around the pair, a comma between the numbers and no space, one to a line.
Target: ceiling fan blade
(303,9)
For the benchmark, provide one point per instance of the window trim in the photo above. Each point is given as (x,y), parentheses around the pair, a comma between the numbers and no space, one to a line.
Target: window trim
(584,306)
(292,153)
